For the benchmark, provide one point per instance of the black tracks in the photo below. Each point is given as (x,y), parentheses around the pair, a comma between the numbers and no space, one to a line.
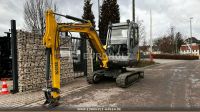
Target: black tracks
(127,79)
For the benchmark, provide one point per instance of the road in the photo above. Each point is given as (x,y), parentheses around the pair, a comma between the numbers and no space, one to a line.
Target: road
(168,86)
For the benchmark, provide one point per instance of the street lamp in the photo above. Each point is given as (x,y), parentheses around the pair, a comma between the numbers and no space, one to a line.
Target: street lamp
(191,32)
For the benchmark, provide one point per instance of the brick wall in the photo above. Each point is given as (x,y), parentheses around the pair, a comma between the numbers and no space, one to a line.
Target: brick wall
(31,62)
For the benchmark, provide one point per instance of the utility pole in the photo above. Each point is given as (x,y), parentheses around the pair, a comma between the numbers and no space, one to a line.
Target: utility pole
(191,32)
(176,40)
(151,43)
(173,39)
(99,10)
(133,10)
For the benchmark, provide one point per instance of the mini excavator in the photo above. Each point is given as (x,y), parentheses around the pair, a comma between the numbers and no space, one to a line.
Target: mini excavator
(121,51)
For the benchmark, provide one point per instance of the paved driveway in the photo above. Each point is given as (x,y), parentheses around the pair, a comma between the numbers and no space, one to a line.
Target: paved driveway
(167,86)
(174,85)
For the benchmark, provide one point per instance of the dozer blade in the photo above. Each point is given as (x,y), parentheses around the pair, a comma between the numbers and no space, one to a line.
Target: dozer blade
(127,79)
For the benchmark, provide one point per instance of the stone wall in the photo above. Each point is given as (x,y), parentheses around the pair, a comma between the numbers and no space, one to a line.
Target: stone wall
(89,59)
(31,62)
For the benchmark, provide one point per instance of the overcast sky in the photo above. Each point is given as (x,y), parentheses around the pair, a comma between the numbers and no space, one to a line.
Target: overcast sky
(166,13)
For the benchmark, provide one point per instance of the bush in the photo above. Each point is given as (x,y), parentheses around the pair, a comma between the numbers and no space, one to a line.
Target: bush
(176,57)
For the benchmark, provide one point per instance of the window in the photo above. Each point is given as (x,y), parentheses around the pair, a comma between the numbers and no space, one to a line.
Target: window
(119,33)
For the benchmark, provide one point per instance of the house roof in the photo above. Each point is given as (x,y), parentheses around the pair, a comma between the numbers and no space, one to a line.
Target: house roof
(193,39)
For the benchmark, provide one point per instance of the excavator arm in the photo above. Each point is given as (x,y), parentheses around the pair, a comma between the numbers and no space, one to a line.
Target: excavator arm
(51,40)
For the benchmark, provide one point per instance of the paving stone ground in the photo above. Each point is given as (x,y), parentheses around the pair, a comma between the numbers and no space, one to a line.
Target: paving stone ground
(31,99)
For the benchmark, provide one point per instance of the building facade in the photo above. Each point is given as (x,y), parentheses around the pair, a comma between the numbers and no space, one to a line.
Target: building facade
(193,49)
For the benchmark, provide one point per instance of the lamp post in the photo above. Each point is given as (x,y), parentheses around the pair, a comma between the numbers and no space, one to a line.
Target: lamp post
(191,32)
(151,42)
(133,10)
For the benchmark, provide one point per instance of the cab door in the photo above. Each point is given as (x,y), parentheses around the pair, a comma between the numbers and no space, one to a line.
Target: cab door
(134,41)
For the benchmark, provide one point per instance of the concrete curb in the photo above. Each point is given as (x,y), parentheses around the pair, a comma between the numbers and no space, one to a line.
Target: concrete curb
(154,65)
(143,68)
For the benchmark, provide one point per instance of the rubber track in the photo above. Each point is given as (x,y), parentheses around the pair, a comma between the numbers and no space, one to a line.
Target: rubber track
(122,78)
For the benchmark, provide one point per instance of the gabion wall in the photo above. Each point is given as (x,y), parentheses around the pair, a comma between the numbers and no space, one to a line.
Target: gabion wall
(31,62)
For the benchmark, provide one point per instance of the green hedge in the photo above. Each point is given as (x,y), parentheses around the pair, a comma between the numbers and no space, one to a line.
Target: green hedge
(176,57)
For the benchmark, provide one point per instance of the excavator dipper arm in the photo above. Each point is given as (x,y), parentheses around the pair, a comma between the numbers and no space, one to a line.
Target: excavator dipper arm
(51,41)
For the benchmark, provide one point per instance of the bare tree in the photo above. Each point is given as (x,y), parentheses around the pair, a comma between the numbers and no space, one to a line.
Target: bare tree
(144,42)
(161,42)
(142,32)
(34,14)
(166,43)
(179,41)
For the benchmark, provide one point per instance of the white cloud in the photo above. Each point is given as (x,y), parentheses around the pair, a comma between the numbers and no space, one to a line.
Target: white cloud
(165,13)
(10,9)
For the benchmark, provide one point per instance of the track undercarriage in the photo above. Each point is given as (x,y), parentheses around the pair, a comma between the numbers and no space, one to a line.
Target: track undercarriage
(123,77)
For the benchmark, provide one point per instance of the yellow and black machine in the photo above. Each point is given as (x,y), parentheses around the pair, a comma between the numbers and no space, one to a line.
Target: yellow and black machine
(121,51)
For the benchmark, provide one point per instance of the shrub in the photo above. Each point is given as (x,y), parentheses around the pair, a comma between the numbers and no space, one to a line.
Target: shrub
(176,57)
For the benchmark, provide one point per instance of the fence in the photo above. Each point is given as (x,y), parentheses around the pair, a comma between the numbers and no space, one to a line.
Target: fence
(31,62)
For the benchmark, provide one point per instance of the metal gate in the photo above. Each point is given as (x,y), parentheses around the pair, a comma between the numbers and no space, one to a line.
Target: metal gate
(78,55)
(5,58)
